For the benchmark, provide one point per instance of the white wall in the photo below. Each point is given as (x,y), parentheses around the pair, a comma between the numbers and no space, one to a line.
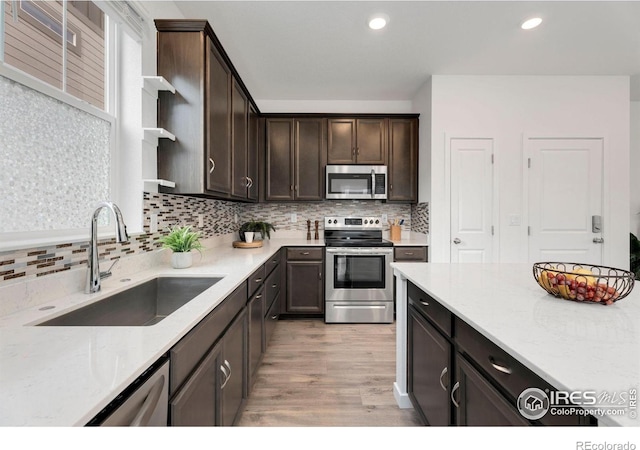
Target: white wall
(334,106)
(421,104)
(507,107)
(635,168)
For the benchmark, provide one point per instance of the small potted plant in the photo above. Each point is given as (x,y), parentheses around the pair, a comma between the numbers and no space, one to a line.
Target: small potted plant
(249,230)
(181,240)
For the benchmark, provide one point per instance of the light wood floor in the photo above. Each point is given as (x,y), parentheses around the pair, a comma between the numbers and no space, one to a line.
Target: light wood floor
(317,374)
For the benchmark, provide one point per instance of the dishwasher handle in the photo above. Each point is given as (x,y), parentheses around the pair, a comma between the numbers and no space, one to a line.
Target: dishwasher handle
(149,406)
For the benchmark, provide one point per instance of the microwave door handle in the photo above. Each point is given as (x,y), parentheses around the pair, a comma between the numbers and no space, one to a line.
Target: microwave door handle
(373,183)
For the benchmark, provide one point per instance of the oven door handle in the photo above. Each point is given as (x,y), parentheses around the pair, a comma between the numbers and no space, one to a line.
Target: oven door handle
(373,183)
(360,251)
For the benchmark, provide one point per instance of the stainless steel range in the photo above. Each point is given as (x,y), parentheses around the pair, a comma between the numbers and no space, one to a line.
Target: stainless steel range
(359,282)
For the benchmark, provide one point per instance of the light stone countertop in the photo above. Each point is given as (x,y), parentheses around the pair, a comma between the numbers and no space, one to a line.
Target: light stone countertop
(63,376)
(573,346)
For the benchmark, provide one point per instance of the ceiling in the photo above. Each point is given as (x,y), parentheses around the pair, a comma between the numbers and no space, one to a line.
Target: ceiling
(323,50)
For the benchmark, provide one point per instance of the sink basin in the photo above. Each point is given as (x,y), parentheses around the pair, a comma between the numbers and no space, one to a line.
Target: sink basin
(142,305)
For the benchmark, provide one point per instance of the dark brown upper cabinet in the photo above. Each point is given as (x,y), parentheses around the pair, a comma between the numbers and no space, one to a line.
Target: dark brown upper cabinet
(295,158)
(211,114)
(357,141)
(403,160)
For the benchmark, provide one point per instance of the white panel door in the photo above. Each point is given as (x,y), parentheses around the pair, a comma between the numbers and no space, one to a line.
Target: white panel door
(565,192)
(471,200)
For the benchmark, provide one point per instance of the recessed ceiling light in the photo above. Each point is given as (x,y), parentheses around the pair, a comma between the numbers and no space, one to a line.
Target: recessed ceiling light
(378,21)
(531,23)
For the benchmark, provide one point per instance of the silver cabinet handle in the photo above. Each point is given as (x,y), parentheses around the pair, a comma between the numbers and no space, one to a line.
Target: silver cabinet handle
(320,275)
(498,367)
(149,406)
(457,241)
(423,303)
(248,182)
(274,317)
(213,165)
(444,371)
(259,296)
(453,391)
(408,253)
(227,375)
(598,240)
(304,253)
(258,280)
(274,286)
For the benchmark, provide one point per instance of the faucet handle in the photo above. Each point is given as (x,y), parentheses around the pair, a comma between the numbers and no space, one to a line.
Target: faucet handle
(108,273)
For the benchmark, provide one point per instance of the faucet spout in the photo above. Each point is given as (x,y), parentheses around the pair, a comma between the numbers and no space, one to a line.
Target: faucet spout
(93,274)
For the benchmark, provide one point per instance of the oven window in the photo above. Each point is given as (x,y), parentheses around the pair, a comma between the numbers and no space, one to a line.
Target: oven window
(359,272)
(341,183)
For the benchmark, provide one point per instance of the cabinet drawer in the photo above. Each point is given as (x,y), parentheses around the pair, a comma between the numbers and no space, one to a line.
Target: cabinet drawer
(273,262)
(304,254)
(430,308)
(410,254)
(513,376)
(256,279)
(186,354)
(272,285)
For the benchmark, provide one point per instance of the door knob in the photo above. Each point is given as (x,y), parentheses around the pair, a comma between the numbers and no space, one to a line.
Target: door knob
(457,241)
(598,240)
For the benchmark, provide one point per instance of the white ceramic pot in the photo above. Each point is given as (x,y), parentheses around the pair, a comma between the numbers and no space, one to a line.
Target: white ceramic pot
(181,260)
(248,237)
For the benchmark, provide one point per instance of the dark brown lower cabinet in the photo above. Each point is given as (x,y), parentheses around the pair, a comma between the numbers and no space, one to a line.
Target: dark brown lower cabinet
(305,283)
(196,404)
(234,387)
(429,370)
(478,403)
(256,331)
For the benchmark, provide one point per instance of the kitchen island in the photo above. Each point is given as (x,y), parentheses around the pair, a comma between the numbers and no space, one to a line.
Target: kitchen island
(569,345)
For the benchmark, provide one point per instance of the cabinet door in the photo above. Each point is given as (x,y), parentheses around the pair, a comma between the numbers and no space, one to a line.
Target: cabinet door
(305,293)
(253,153)
(233,388)
(196,402)
(403,160)
(341,140)
(218,106)
(429,370)
(479,403)
(256,330)
(310,155)
(371,146)
(240,116)
(279,160)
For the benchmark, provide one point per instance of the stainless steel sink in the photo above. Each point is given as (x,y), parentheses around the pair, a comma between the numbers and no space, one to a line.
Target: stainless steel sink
(142,305)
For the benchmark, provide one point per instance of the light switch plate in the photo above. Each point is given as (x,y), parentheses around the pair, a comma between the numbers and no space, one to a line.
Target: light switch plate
(153,225)
(514,220)
(294,217)
(200,220)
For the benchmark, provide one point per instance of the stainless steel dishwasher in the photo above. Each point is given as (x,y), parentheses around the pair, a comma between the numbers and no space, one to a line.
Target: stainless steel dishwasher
(144,403)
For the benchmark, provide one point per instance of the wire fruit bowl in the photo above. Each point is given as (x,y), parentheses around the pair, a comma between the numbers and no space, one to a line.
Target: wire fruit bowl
(584,282)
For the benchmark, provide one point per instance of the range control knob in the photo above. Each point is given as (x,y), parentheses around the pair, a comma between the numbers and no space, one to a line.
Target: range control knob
(365,221)
(377,221)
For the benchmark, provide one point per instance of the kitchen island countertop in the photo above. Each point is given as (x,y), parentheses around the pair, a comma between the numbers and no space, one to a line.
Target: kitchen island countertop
(572,346)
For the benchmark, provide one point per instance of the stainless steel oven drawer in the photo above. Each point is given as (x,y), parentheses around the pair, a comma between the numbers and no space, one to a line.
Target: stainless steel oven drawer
(358,312)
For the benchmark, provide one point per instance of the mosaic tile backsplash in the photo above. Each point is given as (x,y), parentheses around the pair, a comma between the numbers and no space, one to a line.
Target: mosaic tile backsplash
(41,136)
(218,219)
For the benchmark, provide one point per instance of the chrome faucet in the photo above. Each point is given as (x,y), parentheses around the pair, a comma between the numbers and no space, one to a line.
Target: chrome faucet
(94,275)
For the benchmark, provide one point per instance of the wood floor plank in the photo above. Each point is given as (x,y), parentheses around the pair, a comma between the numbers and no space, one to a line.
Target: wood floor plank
(317,374)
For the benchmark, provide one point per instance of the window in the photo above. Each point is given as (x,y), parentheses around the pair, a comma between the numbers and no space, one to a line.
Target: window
(33,43)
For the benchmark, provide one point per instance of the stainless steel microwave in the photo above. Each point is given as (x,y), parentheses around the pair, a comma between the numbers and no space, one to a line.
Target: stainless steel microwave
(357,182)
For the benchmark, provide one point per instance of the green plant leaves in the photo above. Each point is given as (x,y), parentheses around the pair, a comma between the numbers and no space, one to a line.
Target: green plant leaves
(182,239)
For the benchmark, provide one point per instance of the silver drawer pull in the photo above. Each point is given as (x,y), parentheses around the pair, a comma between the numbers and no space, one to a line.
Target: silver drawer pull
(408,253)
(274,286)
(498,367)
(258,280)
(258,296)
(423,303)
(453,391)
(274,317)
(304,253)
(444,371)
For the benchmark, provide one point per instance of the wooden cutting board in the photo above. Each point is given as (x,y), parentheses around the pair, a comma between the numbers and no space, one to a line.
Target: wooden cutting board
(242,244)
